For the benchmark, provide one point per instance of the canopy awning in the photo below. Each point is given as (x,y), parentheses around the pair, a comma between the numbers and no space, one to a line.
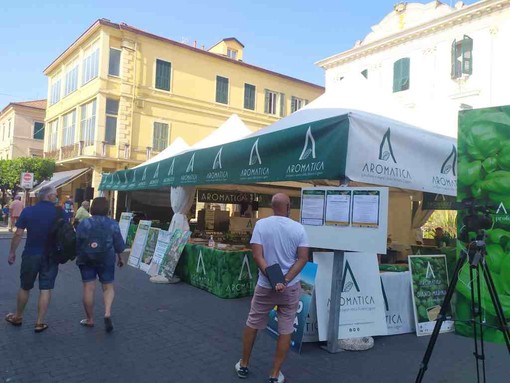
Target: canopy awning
(176,147)
(60,179)
(312,144)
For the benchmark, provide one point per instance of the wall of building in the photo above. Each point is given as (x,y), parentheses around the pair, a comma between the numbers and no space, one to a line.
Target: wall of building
(20,142)
(433,95)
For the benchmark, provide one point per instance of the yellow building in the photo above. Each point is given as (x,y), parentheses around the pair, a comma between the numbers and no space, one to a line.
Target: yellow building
(22,129)
(119,95)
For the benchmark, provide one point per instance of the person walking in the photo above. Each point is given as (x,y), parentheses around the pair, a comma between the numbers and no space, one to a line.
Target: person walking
(38,220)
(69,208)
(82,213)
(275,240)
(99,243)
(5,214)
(15,211)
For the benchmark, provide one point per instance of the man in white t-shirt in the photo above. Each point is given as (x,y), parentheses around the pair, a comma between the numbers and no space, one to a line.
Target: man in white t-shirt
(276,239)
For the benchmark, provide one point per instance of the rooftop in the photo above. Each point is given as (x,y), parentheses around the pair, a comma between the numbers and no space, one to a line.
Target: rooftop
(36,104)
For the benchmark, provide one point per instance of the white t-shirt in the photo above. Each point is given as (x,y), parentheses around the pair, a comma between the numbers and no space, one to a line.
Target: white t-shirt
(280,238)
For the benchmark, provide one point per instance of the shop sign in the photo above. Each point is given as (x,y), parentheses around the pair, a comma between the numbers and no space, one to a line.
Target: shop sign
(212,196)
(433,201)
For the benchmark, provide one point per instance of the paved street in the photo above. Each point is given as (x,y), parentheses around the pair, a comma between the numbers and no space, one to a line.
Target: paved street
(177,333)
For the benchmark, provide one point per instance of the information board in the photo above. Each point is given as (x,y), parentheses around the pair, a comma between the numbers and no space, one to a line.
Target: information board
(139,243)
(344,218)
(429,280)
(124,222)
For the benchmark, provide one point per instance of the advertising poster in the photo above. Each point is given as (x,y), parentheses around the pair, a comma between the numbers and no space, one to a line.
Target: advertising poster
(396,288)
(160,251)
(311,333)
(150,247)
(429,276)
(362,309)
(365,208)
(484,176)
(139,243)
(312,207)
(338,207)
(173,253)
(124,222)
(307,286)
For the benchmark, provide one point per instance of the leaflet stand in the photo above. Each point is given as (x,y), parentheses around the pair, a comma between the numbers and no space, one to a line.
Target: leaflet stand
(334,306)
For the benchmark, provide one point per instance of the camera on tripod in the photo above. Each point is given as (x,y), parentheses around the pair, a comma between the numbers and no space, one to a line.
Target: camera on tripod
(476,220)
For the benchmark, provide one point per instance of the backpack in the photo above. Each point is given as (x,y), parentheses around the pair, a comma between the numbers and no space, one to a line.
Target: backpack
(98,245)
(64,247)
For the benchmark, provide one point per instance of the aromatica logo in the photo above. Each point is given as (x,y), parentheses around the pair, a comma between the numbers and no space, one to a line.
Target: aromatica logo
(170,174)
(144,175)
(246,264)
(134,176)
(393,319)
(217,174)
(447,178)
(189,177)
(308,164)
(353,297)
(201,264)
(254,170)
(384,168)
(155,176)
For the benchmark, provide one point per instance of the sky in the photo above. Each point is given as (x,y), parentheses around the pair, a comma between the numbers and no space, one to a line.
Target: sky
(281,35)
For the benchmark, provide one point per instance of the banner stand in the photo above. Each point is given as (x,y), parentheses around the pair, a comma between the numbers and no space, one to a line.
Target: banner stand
(334,306)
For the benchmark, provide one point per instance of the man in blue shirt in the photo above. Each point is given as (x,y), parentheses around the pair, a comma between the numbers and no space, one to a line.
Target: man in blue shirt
(38,220)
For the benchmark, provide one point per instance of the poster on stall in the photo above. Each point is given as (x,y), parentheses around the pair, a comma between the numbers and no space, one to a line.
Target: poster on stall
(312,207)
(311,333)
(162,245)
(429,276)
(396,288)
(150,247)
(365,208)
(173,253)
(362,310)
(124,222)
(307,287)
(139,243)
(338,207)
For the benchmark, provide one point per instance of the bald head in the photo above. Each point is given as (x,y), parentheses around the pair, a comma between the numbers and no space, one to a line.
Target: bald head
(281,204)
(85,205)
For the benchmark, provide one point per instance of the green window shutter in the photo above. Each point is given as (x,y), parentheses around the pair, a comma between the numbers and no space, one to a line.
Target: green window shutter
(467,55)
(292,104)
(453,71)
(163,69)
(365,73)
(401,71)
(266,101)
(249,96)
(222,90)
(282,104)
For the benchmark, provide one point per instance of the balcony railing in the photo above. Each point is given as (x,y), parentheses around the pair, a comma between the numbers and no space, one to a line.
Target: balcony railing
(100,149)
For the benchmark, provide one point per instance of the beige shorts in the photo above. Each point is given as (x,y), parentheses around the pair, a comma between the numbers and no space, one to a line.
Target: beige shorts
(264,300)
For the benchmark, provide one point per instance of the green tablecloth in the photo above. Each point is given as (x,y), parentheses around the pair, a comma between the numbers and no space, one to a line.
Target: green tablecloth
(226,274)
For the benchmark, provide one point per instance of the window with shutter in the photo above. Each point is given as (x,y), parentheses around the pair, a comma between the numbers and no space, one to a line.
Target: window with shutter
(270,104)
(282,105)
(222,90)
(249,96)
(163,75)
(160,136)
(296,104)
(401,75)
(114,63)
(462,57)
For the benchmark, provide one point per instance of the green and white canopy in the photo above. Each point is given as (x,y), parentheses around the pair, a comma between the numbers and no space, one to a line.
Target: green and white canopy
(311,144)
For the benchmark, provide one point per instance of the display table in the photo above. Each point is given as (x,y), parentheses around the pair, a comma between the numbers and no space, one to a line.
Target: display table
(226,274)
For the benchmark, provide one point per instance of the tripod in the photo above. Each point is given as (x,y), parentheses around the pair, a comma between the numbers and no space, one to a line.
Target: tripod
(475,255)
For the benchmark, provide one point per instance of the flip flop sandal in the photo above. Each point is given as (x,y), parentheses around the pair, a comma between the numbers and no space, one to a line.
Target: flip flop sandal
(14,320)
(85,323)
(40,327)
(108,325)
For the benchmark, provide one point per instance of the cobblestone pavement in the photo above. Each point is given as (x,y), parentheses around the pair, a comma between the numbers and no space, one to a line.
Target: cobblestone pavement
(177,333)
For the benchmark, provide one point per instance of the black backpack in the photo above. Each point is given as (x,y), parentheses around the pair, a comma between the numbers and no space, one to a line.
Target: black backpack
(64,245)
(98,244)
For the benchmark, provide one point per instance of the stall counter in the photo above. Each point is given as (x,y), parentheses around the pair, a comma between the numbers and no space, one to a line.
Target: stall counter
(226,274)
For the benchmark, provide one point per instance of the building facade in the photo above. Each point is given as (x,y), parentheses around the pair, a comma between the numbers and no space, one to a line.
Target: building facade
(119,95)
(22,129)
(433,59)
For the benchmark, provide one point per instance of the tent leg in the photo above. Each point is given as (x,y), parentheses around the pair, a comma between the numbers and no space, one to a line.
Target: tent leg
(334,306)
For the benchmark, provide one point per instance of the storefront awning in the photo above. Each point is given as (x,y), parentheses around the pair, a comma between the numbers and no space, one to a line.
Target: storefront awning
(60,179)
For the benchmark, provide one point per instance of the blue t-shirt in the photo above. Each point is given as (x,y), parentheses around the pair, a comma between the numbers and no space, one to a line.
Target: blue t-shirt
(38,221)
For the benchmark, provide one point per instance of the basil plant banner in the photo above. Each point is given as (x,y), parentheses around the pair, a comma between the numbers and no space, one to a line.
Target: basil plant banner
(310,151)
(484,175)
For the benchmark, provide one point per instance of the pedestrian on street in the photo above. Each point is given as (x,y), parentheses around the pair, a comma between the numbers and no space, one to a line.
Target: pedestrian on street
(38,220)
(275,240)
(99,245)
(5,214)
(82,213)
(15,211)
(69,208)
